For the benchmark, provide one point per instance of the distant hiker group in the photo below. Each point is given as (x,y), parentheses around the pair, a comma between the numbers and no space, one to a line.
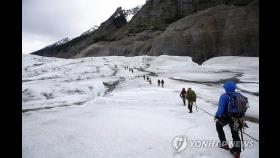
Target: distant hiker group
(149,79)
(160,82)
(128,68)
(146,77)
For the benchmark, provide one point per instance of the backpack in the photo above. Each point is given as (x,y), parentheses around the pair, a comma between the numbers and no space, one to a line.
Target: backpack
(237,105)
(191,96)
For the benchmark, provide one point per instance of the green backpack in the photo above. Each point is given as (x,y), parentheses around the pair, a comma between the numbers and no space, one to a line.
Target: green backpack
(191,96)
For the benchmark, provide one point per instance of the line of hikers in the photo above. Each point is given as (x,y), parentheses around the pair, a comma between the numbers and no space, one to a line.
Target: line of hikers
(149,79)
(128,68)
(160,82)
(190,96)
(231,111)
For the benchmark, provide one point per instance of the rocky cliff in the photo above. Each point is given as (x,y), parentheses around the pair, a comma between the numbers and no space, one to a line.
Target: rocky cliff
(217,31)
(198,28)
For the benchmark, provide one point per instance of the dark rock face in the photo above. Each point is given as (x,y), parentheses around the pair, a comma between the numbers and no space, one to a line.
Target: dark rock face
(218,31)
(198,28)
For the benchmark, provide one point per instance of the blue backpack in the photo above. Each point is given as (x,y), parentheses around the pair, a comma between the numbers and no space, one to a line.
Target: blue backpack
(237,105)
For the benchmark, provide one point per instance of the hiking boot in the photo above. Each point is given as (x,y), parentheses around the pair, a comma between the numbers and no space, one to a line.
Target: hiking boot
(234,153)
(226,147)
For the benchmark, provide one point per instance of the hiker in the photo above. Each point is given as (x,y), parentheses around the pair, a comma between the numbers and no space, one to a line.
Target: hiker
(144,77)
(228,113)
(150,81)
(183,96)
(158,81)
(191,97)
(162,82)
(132,70)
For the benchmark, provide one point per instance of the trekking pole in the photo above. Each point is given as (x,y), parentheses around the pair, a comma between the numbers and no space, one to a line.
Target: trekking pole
(204,110)
(242,139)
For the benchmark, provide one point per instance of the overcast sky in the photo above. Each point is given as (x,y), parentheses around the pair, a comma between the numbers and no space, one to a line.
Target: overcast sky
(47,21)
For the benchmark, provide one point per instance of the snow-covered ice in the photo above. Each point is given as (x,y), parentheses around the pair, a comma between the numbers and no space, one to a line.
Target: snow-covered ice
(93,107)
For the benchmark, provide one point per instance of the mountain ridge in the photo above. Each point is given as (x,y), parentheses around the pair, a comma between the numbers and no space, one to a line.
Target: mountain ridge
(216,28)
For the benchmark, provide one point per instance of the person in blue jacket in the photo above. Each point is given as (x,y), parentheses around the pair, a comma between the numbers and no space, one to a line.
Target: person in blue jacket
(222,119)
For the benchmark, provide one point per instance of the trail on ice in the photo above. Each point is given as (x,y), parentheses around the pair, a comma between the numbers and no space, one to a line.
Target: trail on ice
(134,119)
(128,123)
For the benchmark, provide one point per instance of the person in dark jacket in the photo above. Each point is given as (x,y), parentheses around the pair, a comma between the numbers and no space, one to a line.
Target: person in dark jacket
(183,96)
(158,82)
(222,119)
(191,97)
(162,82)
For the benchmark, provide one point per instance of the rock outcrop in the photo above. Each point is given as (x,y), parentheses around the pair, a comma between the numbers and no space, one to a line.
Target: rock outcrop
(218,31)
(198,28)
